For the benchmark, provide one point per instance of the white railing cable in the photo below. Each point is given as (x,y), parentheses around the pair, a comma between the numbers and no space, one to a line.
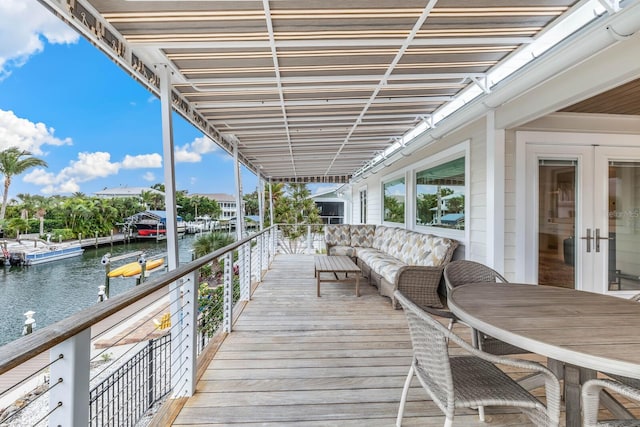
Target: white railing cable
(70,340)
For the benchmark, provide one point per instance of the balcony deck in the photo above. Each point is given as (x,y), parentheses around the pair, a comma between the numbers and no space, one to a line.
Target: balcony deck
(338,360)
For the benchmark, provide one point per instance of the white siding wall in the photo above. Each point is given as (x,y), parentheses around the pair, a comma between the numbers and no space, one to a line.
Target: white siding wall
(475,133)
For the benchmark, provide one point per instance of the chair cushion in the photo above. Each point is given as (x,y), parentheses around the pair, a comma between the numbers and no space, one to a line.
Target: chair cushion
(337,234)
(342,250)
(362,235)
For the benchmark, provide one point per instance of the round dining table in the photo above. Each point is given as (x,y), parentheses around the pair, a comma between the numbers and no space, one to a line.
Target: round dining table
(580,332)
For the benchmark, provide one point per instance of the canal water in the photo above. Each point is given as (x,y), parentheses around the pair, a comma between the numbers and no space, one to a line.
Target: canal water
(58,289)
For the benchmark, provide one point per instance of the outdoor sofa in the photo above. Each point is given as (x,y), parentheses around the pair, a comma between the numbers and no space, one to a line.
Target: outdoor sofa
(394,258)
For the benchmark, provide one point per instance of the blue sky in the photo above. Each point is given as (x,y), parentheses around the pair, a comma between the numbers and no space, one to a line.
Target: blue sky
(67,103)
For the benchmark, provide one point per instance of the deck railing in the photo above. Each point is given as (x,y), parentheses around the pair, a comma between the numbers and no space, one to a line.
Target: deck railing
(71,378)
(60,359)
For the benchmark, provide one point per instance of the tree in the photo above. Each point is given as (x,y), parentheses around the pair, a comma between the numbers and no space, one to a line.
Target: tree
(14,161)
(251,206)
(297,210)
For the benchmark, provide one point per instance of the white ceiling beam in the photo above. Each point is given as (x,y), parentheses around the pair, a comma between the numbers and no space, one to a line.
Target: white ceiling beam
(337,79)
(325,102)
(276,66)
(240,45)
(315,119)
(239,90)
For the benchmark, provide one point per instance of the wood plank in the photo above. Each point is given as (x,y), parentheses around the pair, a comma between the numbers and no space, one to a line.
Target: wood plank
(295,359)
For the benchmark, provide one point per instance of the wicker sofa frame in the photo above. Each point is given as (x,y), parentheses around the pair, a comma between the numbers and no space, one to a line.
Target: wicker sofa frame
(415,278)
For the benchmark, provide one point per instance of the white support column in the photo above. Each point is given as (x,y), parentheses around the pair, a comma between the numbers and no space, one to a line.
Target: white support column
(261,202)
(186,386)
(495,214)
(175,297)
(271,214)
(238,179)
(227,305)
(169,163)
(69,381)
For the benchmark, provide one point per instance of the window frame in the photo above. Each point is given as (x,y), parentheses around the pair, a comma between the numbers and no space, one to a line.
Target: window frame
(363,207)
(458,151)
(387,179)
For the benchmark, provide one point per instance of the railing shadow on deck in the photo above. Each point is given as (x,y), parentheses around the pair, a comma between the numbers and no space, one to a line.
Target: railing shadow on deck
(100,364)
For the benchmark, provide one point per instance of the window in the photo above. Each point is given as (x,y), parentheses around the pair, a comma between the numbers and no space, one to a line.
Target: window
(440,194)
(363,206)
(394,198)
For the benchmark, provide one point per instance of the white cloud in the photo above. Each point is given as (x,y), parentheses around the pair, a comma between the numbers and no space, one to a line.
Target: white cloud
(142,161)
(193,151)
(183,155)
(26,135)
(87,167)
(204,145)
(39,177)
(23,26)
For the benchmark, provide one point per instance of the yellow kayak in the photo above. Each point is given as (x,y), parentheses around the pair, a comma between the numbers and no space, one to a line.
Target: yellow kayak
(134,268)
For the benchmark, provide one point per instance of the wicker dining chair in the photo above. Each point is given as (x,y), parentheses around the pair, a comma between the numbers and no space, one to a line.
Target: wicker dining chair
(591,402)
(461,272)
(471,380)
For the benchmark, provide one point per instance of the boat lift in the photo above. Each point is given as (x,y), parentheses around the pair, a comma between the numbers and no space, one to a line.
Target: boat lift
(136,269)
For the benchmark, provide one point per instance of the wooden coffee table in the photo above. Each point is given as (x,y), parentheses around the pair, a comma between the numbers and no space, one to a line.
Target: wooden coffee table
(335,265)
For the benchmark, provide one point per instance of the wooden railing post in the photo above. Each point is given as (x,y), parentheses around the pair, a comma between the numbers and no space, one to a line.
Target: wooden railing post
(69,381)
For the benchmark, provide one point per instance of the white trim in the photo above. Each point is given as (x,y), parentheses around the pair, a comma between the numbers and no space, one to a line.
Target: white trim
(551,145)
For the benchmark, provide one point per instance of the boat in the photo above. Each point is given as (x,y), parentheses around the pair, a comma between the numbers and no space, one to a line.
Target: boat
(134,268)
(153,224)
(25,252)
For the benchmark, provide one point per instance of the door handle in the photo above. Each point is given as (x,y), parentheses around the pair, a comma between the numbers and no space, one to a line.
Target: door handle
(588,239)
(598,238)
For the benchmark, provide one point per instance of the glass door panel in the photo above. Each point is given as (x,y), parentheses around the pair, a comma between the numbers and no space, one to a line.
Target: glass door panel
(557,223)
(623,228)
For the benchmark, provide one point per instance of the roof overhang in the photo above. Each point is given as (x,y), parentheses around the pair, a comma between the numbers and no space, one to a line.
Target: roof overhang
(317,91)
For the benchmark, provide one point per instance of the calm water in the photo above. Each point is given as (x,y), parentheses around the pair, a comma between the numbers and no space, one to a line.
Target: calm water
(58,289)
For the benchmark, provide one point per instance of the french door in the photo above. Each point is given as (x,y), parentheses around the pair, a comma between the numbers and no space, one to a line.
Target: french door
(584,205)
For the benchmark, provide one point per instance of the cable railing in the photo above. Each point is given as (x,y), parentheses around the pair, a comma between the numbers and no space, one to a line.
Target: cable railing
(113,363)
(133,351)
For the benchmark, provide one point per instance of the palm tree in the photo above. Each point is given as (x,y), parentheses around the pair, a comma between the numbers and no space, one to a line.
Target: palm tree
(207,244)
(14,161)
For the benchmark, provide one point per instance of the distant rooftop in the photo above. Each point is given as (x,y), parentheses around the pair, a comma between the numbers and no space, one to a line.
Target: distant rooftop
(218,197)
(126,191)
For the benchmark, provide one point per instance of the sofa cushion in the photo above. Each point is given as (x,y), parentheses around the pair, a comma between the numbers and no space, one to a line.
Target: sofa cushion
(380,262)
(342,250)
(397,240)
(337,235)
(362,235)
(417,249)
(439,247)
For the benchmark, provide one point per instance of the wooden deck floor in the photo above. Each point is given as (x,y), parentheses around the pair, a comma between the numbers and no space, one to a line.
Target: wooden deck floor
(337,360)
